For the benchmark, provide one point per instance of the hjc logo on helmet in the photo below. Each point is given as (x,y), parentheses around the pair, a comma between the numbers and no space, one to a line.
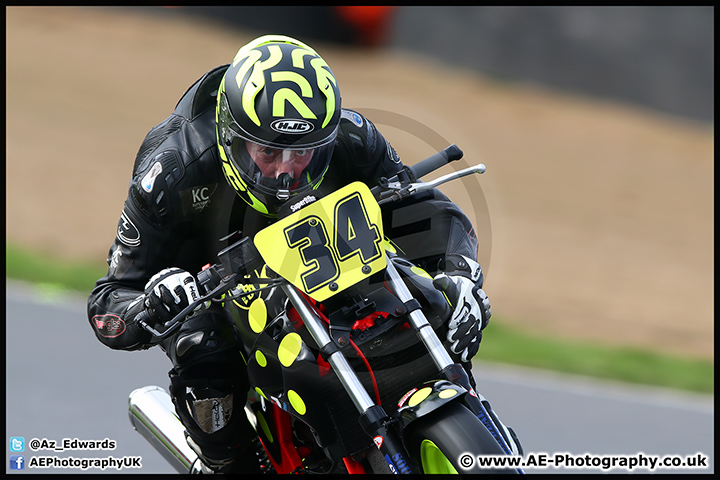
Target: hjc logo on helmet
(286,125)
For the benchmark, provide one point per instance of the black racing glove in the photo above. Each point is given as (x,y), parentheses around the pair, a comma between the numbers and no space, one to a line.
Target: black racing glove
(462,284)
(167,293)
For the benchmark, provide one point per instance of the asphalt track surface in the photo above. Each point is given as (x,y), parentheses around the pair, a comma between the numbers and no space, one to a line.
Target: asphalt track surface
(61,383)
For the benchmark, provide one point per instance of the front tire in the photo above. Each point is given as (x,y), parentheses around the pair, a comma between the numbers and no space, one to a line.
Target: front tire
(438,440)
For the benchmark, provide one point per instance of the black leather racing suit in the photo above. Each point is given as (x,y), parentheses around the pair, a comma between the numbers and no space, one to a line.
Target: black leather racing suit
(178,208)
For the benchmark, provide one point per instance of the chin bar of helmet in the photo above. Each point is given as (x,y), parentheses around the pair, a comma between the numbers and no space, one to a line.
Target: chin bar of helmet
(284,193)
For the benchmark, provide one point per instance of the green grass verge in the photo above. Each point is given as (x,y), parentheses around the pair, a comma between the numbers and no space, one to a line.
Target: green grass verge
(507,345)
(22,264)
(501,344)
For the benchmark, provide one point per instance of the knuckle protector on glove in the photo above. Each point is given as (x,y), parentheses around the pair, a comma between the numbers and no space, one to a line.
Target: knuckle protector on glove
(464,266)
(169,291)
(179,282)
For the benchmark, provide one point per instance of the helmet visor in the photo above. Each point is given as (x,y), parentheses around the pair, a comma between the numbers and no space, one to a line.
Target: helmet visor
(279,171)
(272,162)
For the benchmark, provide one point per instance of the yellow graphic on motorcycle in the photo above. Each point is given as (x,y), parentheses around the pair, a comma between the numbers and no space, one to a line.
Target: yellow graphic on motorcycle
(328,245)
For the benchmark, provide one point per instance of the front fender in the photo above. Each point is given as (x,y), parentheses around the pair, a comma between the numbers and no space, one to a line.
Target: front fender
(419,402)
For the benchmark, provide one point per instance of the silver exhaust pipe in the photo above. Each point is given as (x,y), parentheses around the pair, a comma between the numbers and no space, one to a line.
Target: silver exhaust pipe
(152,414)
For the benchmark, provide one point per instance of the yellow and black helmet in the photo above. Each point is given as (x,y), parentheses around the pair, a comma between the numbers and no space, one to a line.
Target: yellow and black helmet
(278,110)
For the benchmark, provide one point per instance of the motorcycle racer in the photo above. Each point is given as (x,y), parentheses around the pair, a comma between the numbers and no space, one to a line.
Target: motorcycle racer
(243,140)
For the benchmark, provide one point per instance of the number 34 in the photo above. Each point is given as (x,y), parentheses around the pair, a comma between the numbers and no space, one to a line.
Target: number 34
(328,256)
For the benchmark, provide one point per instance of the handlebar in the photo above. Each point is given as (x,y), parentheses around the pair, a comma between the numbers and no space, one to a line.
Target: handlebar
(435,161)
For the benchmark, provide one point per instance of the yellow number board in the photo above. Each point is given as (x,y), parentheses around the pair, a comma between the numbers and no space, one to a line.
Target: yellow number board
(328,245)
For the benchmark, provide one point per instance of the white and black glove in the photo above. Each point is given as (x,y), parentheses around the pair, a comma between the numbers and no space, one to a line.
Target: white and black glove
(462,284)
(168,292)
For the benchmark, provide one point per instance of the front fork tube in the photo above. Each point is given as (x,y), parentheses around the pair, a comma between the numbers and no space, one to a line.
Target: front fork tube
(373,418)
(451,371)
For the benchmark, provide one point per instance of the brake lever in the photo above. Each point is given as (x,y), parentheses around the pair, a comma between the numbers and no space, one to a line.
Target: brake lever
(394,191)
(423,186)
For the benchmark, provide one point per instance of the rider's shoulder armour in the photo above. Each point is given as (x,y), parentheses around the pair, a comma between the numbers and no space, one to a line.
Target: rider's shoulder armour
(359,139)
(184,142)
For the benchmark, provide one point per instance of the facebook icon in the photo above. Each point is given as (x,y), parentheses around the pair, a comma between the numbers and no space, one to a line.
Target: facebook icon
(17,462)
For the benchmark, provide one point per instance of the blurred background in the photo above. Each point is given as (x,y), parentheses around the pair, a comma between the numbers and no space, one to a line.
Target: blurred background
(595,123)
(595,215)
(661,57)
